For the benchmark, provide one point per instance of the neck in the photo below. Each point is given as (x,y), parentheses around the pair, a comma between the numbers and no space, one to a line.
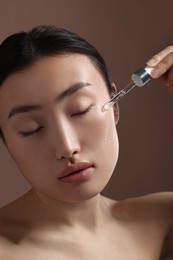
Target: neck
(52,213)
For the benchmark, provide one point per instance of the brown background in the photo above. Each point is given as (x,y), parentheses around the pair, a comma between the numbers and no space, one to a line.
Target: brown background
(127,33)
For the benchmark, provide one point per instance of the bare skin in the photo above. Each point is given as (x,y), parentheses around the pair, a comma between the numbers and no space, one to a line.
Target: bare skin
(74,221)
(131,229)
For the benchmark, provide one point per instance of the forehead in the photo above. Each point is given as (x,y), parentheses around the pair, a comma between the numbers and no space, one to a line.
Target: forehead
(61,69)
(48,77)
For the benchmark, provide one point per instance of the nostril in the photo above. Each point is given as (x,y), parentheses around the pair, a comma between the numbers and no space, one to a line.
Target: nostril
(71,156)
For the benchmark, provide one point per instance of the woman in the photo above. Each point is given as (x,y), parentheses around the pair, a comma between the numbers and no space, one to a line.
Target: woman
(53,86)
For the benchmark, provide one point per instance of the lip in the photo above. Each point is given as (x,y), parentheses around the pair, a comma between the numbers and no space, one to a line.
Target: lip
(76,172)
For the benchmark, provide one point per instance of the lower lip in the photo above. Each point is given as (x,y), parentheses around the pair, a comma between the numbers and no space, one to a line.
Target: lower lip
(79,176)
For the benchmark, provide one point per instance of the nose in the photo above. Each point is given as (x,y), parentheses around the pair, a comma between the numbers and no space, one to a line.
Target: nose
(66,142)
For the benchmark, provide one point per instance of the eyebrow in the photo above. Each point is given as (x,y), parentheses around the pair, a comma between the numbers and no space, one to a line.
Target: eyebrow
(25,108)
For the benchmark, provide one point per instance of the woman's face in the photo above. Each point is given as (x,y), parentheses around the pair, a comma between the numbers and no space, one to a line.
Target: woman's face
(50,114)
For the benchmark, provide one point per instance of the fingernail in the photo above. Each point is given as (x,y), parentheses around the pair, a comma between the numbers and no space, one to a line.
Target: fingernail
(152,62)
(156,73)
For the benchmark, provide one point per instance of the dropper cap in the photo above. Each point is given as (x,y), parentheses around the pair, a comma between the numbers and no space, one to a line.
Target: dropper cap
(141,76)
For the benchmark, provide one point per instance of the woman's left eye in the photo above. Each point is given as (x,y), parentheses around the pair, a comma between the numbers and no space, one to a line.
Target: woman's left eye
(82,112)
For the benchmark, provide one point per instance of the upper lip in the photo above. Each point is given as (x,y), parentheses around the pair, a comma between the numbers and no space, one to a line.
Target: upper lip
(73,168)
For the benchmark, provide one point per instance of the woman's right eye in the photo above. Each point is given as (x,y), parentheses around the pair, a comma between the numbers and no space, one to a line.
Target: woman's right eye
(25,134)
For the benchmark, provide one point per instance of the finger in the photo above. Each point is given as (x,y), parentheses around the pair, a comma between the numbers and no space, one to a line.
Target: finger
(165,64)
(169,80)
(159,56)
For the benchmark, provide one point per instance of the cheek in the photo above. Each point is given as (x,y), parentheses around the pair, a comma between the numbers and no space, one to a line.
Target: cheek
(100,134)
(24,155)
(100,145)
(107,133)
(30,161)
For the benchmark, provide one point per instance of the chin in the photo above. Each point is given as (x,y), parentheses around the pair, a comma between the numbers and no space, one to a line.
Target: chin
(84,195)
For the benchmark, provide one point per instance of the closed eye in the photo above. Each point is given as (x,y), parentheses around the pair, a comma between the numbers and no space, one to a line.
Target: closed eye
(82,112)
(31,132)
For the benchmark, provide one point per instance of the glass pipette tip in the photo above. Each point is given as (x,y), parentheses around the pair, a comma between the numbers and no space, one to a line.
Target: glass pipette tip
(118,96)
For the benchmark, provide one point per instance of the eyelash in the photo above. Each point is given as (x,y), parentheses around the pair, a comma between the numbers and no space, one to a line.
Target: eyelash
(25,134)
(83,112)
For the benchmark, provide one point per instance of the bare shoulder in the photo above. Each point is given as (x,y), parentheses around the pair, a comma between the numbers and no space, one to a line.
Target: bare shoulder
(7,227)
(12,220)
(152,212)
(13,227)
(159,206)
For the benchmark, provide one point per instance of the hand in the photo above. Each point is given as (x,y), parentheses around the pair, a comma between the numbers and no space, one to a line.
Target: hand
(162,63)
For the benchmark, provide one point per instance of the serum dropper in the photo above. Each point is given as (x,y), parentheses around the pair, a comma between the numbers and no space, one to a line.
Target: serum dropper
(139,79)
